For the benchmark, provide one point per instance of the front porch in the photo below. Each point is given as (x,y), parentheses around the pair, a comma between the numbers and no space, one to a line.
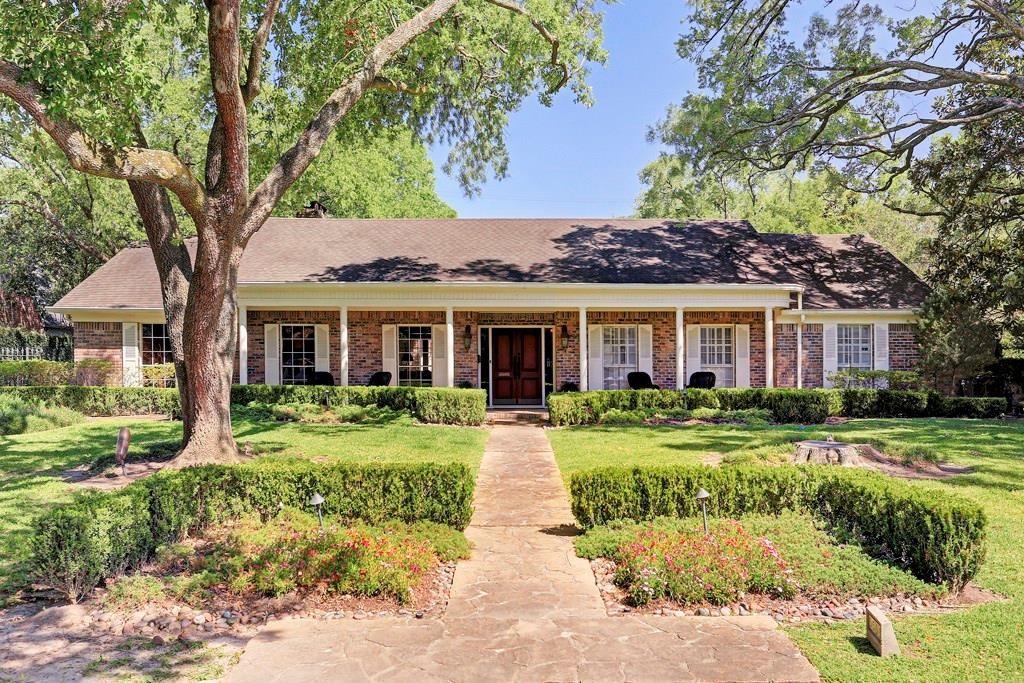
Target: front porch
(517,356)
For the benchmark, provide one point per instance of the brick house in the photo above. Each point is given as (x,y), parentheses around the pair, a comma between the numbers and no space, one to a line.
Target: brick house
(522,307)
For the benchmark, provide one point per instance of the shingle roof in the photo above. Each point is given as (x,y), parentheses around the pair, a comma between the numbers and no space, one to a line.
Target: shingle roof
(839,271)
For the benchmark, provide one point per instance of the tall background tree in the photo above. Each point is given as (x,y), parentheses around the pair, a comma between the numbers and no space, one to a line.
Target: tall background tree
(931,96)
(309,70)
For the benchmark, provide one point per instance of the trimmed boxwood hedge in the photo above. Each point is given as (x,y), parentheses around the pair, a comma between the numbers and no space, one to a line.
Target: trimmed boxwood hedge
(803,406)
(937,536)
(442,405)
(98,535)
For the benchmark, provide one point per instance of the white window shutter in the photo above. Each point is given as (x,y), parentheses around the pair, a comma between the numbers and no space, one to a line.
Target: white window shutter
(322,342)
(389,351)
(595,362)
(272,354)
(881,346)
(439,353)
(692,351)
(743,355)
(131,363)
(645,349)
(829,353)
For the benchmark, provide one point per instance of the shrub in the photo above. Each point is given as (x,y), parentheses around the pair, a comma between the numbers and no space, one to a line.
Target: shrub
(692,567)
(938,537)
(132,592)
(903,380)
(291,553)
(18,416)
(103,400)
(161,375)
(77,545)
(621,418)
(20,373)
(587,407)
(434,405)
(94,372)
(965,406)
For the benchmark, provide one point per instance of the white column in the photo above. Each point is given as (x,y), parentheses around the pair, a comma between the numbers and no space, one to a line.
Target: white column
(769,346)
(800,353)
(680,348)
(584,370)
(449,334)
(343,351)
(243,345)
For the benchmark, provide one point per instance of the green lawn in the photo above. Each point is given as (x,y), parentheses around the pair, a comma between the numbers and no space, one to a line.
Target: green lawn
(984,643)
(31,465)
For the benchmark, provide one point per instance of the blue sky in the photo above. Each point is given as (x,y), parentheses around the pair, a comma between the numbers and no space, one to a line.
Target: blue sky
(572,161)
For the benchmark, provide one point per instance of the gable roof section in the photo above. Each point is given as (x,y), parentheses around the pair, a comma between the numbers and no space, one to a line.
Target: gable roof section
(838,271)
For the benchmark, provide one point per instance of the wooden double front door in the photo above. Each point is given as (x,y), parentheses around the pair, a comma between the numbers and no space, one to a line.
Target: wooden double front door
(517,371)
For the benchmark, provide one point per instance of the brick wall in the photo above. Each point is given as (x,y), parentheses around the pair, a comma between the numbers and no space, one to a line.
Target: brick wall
(364,341)
(785,355)
(814,367)
(904,347)
(100,341)
(255,320)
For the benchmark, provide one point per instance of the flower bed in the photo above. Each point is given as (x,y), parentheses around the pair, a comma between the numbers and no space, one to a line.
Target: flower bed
(939,537)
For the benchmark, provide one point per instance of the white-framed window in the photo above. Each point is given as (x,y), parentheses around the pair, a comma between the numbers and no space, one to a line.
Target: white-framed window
(853,347)
(618,350)
(718,353)
(155,349)
(298,353)
(415,367)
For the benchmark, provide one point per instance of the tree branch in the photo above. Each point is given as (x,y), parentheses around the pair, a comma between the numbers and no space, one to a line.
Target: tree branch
(223,38)
(89,156)
(398,86)
(296,159)
(545,34)
(57,225)
(251,87)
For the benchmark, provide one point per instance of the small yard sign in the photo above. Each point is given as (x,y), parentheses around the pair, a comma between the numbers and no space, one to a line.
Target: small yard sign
(880,632)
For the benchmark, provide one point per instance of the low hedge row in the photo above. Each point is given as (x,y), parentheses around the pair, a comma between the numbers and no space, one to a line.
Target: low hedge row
(936,536)
(77,545)
(443,406)
(427,404)
(103,400)
(804,406)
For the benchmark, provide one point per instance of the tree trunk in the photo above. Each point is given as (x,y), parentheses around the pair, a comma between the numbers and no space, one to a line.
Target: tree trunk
(209,335)
(175,270)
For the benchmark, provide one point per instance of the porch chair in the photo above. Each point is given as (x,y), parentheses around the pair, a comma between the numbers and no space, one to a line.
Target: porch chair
(640,380)
(381,378)
(321,379)
(702,380)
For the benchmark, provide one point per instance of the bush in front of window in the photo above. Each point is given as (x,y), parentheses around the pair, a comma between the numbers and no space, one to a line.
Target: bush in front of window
(937,536)
(77,545)
(786,406)
(877,379)
(159,375)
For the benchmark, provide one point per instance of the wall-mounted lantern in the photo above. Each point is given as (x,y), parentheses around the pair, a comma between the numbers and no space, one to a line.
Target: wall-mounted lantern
(467,338)
(563,336)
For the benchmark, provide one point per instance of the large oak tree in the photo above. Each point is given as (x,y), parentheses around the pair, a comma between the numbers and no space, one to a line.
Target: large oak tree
(449,70)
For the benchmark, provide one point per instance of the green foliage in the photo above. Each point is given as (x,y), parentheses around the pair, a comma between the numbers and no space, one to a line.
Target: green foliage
(19,338)
(877,379)
(15,373)
(77,545)
(821,565)
(433,405)
(18,416)
(133,591)
(691,567)
(785,406)
(160,375)
(937,537)
(102,400)
(618,416)
(290,552)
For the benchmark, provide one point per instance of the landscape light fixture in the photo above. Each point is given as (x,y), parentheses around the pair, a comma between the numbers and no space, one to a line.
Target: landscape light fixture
(317,501)
(702,497)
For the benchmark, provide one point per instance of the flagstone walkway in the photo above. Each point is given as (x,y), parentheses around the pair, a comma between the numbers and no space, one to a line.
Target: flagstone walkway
(524,608)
